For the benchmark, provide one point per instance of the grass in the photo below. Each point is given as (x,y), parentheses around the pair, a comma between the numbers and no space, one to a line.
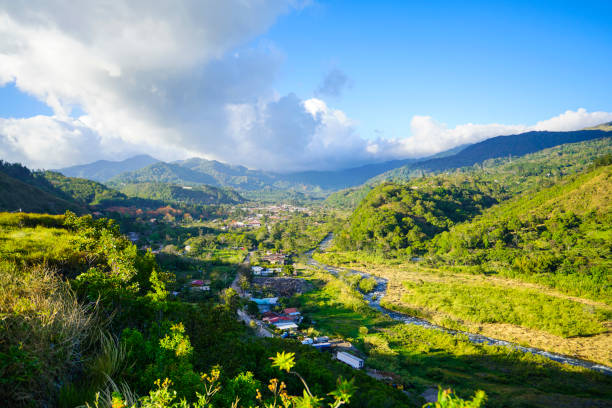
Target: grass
(424,357)
(43,333)
(482,303)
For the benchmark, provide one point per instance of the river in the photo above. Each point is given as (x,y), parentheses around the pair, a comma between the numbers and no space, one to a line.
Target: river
(373,298)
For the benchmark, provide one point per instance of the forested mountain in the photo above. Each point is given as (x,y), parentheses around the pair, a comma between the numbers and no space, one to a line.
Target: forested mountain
(203,194)
(104,170)
(23,190)
(83,191)
(545,213)
(164,173)
(16,195)
(500,146)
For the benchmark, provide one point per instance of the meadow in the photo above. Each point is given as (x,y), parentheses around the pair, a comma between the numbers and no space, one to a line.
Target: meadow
(526,313)
(423,357)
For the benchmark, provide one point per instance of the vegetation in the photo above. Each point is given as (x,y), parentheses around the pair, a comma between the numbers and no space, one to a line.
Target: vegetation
(173,193)
(110,327)
(421,357)
(522,307)
(85,192)
(499,147)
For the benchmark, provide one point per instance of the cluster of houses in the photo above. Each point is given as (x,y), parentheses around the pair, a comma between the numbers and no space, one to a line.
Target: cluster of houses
(288,319)
(247,223)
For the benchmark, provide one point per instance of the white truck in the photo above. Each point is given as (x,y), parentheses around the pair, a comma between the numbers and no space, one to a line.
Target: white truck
(350,359)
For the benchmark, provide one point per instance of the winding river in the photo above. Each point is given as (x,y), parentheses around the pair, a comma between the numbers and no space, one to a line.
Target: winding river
(373,298)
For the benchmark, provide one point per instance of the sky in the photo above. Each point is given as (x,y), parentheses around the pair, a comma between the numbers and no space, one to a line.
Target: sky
(288,85)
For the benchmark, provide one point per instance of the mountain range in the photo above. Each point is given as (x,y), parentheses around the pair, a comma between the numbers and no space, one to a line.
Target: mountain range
(198,171)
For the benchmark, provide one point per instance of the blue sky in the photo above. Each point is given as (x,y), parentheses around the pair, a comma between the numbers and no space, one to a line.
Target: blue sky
(282,87)
(457,61)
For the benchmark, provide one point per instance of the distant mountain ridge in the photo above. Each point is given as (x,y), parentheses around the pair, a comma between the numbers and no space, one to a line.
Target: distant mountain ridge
(500,146)
(104,170)
(197,171)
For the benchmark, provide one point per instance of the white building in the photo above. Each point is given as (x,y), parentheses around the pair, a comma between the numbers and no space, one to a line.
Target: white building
(350,359)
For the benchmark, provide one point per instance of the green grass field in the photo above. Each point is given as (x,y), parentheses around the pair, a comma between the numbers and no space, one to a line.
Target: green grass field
(424,357)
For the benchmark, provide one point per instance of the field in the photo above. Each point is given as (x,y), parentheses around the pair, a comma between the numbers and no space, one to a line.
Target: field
(508,309)
(424,357)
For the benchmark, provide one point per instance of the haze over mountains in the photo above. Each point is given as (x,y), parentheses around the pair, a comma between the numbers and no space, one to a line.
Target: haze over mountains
(197,171)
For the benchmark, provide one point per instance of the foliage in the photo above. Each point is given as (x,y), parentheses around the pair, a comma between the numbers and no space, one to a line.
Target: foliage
(394,217)
(43,333)
(447,399)
(202,194)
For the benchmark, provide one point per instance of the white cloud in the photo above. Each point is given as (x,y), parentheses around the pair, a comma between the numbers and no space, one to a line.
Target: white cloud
(571,120)
(178,79)
(429,136)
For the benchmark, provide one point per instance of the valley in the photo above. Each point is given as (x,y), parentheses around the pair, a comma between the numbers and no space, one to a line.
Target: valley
(493,277)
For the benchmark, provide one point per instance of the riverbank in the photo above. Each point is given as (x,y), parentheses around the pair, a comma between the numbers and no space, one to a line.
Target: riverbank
(484,300)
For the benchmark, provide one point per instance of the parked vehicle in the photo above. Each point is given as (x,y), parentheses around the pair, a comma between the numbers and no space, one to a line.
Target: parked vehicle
(307,340)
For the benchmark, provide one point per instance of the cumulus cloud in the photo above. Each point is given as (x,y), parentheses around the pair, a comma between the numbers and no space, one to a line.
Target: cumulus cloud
(333,84)
(183,78)
(571,120)
(429,136)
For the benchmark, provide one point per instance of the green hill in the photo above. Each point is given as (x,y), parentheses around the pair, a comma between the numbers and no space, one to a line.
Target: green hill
(203,195)
(86,192)
(559,235)
(163,173)
(15,195)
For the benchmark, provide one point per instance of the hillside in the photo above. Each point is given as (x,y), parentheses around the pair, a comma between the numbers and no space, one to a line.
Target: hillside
(552,222)
(163,173)
(104,170)
(83,191)
(201,195)
(15,195)
(496,147)
(516,175)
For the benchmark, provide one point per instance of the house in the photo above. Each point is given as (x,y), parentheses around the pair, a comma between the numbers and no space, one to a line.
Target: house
(267,316)
(284,326)
(291,311)
(265,301)
(264,305)
(267,272)
(199,284)
(277,319)
(274,259)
